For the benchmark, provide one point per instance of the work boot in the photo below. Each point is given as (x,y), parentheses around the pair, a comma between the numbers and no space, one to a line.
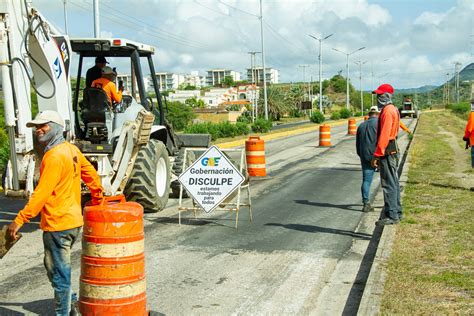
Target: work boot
(387,221)
(367,208)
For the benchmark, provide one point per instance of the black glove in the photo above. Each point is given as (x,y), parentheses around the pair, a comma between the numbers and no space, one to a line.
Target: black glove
(465,139)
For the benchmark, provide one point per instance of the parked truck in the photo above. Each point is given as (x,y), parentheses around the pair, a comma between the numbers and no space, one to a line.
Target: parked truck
(408,108)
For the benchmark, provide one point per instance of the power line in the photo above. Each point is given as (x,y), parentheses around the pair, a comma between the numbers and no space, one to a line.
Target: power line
(237,9)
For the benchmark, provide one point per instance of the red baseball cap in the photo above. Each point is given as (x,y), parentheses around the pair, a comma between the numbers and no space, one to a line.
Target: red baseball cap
(383,88)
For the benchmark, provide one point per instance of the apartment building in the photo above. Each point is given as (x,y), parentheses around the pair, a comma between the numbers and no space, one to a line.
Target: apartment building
(216,76)
(169,80)
(272,75)
(127,82)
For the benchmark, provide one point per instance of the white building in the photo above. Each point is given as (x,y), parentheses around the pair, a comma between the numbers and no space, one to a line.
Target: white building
(194,79)
(127,82)
(216,76)
(183,95)
(272,75)
(168,80)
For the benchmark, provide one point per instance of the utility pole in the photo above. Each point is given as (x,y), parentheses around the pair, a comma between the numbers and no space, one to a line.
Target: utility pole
(96,19)
(456,71)
(320,40)
(263,62)
(360,63)
(254,86)
(304,77)
(65,18)
(347,68)
(447,88)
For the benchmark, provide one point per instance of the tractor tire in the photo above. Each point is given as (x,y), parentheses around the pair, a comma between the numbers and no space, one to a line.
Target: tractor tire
(178,170)
(149,183)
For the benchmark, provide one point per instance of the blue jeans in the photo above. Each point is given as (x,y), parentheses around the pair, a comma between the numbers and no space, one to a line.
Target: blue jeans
(57,260)
(367,176)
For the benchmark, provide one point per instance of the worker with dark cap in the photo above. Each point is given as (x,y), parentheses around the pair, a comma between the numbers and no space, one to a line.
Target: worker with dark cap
(96,71)
(58,198)
(469,133)
(366,139)
(386,155)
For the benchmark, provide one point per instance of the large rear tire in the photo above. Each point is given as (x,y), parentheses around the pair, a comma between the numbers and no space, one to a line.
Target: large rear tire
(149,182)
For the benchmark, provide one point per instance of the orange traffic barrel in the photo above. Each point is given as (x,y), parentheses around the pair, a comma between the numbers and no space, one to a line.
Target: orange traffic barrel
(366,118)
(351,127)
(112,278)
(324,135)
(255,154)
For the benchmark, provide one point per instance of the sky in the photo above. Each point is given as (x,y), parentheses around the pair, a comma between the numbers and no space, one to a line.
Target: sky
(408,43)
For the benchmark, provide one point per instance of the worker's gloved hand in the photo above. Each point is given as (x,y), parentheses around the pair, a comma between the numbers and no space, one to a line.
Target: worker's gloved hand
(13,230)
(465,139)
(375,163)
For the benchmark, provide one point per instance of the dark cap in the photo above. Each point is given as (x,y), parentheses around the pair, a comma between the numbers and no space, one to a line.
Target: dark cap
(383,88)
(101,60)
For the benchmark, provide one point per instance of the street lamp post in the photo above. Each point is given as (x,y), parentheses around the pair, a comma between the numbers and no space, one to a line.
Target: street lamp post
(347,68)
(360,63)
(320,69)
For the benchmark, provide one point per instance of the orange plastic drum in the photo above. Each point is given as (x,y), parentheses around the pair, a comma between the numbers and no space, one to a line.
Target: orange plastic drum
(113,262)
(351,127)
(324,135)
(255,154)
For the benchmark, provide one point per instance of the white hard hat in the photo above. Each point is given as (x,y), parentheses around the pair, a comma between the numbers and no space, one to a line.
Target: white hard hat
(108,71)
(46,117)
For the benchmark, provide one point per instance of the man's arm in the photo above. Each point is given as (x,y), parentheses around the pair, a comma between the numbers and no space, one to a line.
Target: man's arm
(115,96)
(50,177)
(358,136)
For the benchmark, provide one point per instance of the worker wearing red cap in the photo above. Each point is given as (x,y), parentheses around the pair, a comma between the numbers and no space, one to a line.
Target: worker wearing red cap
(386,155)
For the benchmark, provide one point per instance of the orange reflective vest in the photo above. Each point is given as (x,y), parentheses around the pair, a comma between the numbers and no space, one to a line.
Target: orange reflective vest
(58,193)
(469,131)
(109,88)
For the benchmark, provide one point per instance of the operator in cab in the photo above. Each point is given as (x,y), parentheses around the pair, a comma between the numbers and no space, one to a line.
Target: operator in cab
(58,198)
(106,83)
(96,71)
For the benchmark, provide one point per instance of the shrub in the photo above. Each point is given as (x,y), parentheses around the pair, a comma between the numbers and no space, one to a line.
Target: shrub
(4,150)
(317,117)
(460,108)
(246,117)
(242,128)
(179,115)
(336,115)
(345,113)
(261,125)
(358,113)
(226,129)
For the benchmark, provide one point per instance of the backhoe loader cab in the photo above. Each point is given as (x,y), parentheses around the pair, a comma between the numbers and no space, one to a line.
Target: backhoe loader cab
(131,140)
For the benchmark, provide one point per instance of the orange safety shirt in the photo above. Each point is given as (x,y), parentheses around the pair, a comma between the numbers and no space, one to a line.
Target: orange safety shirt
(469,131)
(109,88)
(389,123)
(58,193)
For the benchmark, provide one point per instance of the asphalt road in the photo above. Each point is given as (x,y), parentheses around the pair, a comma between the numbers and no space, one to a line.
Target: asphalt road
(298,256)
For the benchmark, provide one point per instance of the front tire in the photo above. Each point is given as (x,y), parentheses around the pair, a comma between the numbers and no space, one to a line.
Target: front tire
(149,183)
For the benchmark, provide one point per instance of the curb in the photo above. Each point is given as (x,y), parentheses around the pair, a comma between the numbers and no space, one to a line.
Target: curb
(268,137)
(372,296)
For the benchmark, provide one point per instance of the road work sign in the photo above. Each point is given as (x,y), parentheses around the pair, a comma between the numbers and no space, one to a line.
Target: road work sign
(211,178)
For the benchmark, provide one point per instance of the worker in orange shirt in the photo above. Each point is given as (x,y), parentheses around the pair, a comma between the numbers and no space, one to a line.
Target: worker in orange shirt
(106,83)
(386,155)
(58,198)
(469,133)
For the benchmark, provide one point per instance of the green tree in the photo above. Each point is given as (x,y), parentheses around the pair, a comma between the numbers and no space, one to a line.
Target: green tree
(228,81)
(195,103)
(179,115)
